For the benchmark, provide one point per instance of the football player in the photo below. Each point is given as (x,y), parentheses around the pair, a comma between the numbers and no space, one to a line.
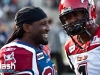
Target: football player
(83,47)
(26,51)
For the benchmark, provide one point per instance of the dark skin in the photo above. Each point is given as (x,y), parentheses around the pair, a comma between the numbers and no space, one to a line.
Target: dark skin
(84,37)
(36,33)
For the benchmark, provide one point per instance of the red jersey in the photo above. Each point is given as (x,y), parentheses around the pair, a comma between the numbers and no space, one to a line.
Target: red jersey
(20,58)
(85,61)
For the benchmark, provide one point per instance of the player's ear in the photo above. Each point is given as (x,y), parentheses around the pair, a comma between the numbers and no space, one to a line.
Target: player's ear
(26,27)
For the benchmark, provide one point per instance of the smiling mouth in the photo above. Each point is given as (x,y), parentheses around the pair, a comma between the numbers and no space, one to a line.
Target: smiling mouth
(45,35)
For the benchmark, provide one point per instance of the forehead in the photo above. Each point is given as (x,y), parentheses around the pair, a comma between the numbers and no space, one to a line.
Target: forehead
(74,12)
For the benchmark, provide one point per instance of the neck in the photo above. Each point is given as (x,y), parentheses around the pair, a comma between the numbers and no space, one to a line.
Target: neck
(84,37)
(30,42)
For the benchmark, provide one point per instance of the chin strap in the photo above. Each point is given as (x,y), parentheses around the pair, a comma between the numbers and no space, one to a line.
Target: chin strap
(80,41)
(76,43)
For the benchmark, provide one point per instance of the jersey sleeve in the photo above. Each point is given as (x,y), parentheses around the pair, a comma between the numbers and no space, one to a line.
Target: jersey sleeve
(15,60)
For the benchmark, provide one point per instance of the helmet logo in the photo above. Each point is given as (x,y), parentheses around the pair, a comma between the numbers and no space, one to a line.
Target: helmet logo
(82,1)
(66,9)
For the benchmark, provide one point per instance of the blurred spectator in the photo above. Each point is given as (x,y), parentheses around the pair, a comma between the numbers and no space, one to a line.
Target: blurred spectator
(62,34)
(53,4)
(1,3)
(3,34)
(29,3)
(1,13)
(10,8)
(6,2)
(14,2)
(98,13)
(22,3)
(63,37)
(55,45)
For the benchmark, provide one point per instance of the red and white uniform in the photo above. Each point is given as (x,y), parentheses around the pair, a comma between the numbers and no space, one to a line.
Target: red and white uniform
(20,58)
(85,61)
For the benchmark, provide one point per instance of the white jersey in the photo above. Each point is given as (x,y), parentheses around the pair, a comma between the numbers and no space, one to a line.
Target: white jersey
(85,61)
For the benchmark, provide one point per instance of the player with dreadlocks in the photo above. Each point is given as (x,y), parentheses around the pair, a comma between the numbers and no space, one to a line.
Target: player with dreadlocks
(17,33)
(26,51)
(83,47)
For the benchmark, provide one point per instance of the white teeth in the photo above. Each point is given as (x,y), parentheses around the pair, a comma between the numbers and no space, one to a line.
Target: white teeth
(45,35)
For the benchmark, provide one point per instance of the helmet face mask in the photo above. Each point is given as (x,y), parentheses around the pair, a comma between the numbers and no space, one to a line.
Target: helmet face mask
(76,27)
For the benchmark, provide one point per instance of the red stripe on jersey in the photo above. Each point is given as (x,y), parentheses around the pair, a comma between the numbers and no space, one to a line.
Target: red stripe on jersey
(71,49)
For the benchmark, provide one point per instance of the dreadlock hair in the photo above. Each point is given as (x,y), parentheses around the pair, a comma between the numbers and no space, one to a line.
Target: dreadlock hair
(17,33)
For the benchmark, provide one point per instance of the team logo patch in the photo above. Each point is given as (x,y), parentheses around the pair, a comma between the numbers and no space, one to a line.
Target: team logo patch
(95,41)
(72,48)
(9,58)
(9,63)
(48,60)
(40,56)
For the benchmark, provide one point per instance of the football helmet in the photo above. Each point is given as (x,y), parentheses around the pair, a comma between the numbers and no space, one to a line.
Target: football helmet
(78,26)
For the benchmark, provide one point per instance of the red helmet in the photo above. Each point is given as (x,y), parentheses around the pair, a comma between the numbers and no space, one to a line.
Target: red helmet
(67,6)
(74,4)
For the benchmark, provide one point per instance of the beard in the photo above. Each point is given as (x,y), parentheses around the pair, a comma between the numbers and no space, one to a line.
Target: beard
(40,40)
(44,42)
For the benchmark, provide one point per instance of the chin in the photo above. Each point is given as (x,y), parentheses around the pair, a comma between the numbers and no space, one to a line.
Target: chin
(44,42)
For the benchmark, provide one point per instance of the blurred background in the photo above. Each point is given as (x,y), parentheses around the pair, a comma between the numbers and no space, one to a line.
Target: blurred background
(56,37)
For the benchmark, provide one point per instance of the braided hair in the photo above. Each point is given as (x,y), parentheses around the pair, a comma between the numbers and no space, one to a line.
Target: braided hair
(17,33)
